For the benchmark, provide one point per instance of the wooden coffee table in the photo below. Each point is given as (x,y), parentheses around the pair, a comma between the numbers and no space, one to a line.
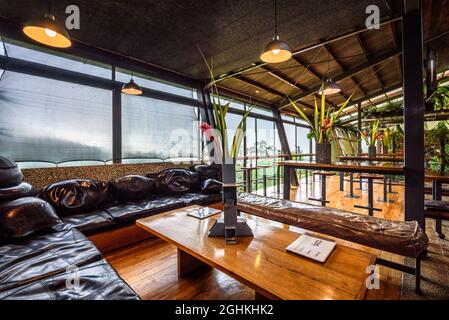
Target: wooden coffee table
(262,263)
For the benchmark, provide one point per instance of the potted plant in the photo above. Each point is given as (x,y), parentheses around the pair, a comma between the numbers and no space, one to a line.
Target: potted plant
(231,225)
(370,137)
(387,141)
(438,143)
(321,125)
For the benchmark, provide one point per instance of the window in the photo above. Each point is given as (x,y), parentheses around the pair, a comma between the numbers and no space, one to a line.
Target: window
(265,138)
(290,131)
(146,82)
(48,120)
(155,129)
(302,143)
(264,112)
(21,51)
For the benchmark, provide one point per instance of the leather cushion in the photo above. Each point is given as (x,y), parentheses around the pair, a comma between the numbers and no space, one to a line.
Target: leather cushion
(190,199)
(90,223)
(10,173)
(211,186)
(129,212)
(27,260)
(76,196)
(212,171)
(24,216)
(132,188)
(176,181)
(12,193)
(97,281)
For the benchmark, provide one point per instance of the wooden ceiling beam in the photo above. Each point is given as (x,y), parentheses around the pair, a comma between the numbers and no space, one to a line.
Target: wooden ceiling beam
(260,86)
(349,73)
(362,45)
(343,69)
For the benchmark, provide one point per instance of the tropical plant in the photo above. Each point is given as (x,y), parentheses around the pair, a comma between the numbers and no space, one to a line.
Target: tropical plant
(218,136)
(323,120)
(392,138)
(440,97)
(438,143)
(372,135)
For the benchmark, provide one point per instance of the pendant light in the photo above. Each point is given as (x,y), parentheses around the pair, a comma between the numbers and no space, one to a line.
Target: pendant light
(131,88)
(47,31)
(330,87)
(276,51)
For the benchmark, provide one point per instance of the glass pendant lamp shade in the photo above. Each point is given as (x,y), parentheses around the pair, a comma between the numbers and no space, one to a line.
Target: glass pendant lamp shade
(276,51)
(330,87)
(131,88)
(47,31)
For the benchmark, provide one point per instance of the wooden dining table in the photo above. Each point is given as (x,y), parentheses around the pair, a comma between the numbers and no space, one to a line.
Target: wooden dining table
(369,159)
(358,167)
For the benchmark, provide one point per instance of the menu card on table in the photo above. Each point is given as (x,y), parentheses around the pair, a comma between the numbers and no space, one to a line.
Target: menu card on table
(312,247)
(202,213)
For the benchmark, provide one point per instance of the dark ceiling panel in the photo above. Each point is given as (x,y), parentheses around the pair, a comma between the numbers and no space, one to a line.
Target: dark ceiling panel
(168,33)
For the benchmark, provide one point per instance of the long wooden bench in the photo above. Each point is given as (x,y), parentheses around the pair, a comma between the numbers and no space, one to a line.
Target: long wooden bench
(405,238)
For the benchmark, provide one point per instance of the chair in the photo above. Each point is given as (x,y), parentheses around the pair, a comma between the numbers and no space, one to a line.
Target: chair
(438,210)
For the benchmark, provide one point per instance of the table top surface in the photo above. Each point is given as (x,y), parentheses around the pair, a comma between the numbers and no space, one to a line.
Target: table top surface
(379,158)
(262,262)
(363,167)
(438,176)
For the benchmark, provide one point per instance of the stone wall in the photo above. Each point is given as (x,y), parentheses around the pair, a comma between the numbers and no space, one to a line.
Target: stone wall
(41,177)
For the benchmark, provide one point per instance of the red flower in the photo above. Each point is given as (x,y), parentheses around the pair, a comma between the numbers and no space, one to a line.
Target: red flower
(205,126)
(207,130)
(326,125)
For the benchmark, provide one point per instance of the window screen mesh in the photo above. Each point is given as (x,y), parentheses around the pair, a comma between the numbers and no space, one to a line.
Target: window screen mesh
(48,120)
(156,129)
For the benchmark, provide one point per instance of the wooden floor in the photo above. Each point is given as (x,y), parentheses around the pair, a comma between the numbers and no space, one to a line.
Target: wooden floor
(150,267)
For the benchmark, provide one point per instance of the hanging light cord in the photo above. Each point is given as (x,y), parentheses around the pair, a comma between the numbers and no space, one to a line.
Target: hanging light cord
(49,6)
(275,19)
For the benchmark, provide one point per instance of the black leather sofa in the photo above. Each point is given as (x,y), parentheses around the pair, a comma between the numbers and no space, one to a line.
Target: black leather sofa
(44,251)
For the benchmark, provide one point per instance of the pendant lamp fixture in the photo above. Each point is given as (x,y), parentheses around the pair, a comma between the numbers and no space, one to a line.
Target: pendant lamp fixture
(276,51)
(132,88)
(330,87)
(47,31)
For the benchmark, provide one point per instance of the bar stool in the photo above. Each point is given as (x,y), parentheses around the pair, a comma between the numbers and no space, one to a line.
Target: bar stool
(370,206)
(351,187)
(385,196)
(323,176)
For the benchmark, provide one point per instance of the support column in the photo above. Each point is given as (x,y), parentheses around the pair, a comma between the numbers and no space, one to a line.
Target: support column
(413,111)
(359,127)
(117,125)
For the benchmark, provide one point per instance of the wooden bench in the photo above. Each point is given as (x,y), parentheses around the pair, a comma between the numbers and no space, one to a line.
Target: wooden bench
(405,238)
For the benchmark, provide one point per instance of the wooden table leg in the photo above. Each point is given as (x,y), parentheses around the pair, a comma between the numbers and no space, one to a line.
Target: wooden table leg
(188,264)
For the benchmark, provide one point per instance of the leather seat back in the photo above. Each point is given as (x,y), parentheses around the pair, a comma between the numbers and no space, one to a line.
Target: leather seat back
(76,196)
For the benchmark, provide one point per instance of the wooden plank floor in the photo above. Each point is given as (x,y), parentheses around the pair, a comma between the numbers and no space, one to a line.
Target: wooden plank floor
(150,267)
